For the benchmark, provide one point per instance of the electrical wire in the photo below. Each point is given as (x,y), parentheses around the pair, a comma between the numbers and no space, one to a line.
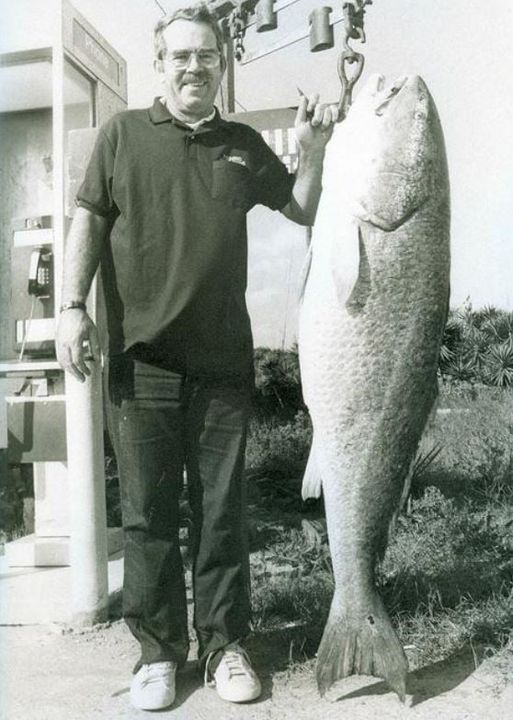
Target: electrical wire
(27,329)
(164,12)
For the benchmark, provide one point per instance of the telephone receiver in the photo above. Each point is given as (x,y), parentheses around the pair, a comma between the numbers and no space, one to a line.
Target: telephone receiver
(40,272)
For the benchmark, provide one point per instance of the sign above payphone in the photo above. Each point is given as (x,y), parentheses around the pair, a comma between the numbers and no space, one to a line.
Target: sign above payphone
(86,44)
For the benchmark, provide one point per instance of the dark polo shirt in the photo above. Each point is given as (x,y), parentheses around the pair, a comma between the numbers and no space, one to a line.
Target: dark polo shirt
(175,264)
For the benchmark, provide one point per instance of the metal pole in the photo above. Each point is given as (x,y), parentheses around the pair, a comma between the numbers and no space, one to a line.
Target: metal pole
(88,544)
(229,76)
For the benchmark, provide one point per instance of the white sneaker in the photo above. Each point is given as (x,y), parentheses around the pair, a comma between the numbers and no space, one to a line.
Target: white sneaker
(234,678)
(153,686)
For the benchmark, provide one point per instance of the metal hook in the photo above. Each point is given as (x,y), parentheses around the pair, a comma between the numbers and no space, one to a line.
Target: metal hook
(353,14)
(348,57)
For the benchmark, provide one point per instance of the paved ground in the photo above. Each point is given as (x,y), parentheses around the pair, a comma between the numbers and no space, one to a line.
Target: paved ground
(51,673)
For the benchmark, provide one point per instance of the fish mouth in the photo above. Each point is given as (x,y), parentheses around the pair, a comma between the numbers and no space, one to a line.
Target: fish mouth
(389,93)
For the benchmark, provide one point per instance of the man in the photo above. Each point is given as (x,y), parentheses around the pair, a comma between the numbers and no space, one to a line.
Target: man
(163,209)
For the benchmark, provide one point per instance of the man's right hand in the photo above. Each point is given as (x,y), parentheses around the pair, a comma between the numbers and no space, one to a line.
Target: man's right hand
(77,341)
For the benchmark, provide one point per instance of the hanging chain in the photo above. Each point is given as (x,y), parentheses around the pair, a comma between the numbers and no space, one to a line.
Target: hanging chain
(237,23)
(353,15)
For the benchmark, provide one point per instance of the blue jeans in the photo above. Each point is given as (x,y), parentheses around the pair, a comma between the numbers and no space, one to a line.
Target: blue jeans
(161,423)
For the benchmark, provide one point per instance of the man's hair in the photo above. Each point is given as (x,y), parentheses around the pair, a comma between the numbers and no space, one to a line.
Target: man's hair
(199,13)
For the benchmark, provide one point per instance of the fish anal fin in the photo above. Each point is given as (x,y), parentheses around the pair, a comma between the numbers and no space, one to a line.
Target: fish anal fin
(312,482)
(366,645)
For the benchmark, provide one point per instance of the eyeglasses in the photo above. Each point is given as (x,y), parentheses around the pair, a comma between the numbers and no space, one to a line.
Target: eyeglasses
(181,59)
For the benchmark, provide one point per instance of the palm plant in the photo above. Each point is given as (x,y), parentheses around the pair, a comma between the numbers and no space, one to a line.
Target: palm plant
(498,364)
(477,346)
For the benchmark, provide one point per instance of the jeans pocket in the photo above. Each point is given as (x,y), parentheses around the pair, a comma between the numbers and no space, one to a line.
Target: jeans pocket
(154,383)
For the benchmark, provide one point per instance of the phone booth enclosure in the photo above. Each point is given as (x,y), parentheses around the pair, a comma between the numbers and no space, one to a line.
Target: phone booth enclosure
(57,75)
(27,237)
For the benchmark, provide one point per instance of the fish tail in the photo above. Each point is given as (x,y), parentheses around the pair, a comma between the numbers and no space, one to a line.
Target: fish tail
(367,645)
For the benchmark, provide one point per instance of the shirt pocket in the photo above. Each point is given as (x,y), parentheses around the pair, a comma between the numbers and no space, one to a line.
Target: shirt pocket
(231,182)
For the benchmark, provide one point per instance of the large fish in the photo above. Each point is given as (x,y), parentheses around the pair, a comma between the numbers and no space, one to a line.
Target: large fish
(371,323)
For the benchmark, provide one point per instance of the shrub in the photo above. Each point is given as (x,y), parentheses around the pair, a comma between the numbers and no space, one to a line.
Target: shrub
(475,433)
(16,484)
(112,496)
(282,599)
(447,550)
(446,579)
(498,363)
(279,450)
(278,384)
(292,580)
(435,633)
(478,346)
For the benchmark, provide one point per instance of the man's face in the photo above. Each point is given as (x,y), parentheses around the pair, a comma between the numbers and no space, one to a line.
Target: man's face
(189,91)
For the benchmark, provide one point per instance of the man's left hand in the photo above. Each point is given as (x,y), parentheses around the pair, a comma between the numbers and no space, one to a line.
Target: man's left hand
(314,123)
(314,127)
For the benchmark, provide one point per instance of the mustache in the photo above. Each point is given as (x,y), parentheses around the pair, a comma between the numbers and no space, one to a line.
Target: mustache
(194,77)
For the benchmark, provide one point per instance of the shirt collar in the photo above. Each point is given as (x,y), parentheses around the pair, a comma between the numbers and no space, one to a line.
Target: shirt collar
(160,114)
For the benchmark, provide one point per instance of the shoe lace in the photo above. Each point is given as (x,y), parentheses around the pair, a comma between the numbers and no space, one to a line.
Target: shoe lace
(237,662)
(156,672)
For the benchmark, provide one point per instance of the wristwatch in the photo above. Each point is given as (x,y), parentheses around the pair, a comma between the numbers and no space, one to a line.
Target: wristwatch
(72,304)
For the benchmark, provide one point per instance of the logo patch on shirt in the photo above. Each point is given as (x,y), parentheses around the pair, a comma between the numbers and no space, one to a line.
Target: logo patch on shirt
(236,159)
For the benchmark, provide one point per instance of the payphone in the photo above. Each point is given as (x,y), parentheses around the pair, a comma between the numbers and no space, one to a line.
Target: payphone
(33,287)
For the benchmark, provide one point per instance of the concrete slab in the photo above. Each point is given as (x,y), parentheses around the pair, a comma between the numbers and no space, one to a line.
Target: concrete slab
(42,551)
(41,596)
(34,551)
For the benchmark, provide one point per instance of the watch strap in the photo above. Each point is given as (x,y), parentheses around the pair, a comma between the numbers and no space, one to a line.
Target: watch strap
(72,304)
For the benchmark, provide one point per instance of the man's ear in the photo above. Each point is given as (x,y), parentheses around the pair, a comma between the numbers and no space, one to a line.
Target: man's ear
(158,66)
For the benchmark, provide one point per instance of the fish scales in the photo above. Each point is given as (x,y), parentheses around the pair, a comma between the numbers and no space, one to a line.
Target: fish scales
(371,323)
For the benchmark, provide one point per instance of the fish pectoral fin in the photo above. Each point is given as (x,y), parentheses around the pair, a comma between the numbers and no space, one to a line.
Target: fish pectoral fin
(367,645)
(351,275)
(312,482)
